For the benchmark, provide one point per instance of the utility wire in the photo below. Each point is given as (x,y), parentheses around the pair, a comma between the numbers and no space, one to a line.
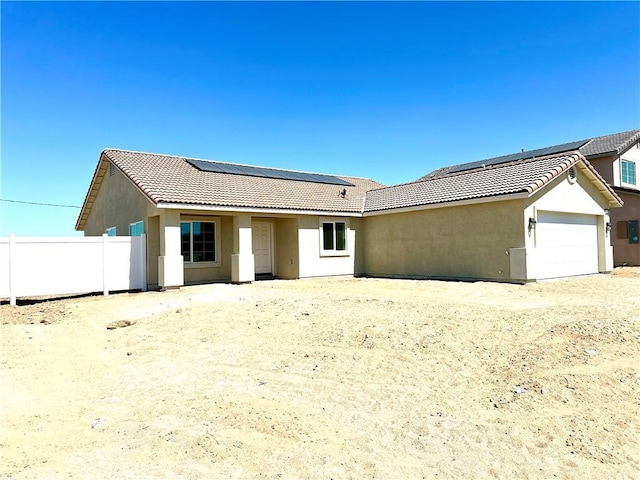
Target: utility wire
(38,203)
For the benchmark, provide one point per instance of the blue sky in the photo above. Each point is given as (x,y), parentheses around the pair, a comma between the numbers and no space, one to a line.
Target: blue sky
(387,91)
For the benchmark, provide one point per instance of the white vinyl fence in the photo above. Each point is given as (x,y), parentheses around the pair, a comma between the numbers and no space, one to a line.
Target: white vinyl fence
(33,266)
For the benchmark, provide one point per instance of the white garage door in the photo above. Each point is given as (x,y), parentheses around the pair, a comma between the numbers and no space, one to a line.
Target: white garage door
(567,244)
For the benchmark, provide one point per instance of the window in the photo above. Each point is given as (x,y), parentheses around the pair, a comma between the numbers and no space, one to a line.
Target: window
(628,172)
(136,229)
(198,241)
(628,229)
(334,237)
(111,231)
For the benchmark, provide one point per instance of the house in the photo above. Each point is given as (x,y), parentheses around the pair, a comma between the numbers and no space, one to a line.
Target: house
(211,221)
(519,220)
(616,157)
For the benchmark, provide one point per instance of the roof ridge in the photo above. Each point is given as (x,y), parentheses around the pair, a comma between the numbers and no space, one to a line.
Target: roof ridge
(182,157)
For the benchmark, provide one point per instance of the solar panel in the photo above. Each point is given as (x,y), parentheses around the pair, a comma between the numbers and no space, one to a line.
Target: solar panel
(540,152)
(264,172)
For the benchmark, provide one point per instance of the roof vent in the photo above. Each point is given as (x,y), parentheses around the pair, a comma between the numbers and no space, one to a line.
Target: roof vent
(112,169)
(571,175)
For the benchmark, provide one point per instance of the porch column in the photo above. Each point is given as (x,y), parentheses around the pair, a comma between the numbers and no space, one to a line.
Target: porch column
(605,250)
(170,264)
(242,263)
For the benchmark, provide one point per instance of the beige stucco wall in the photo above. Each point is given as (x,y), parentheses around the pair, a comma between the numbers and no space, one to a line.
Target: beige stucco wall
(470,241)
(286,248)
(357,225)
(117,204)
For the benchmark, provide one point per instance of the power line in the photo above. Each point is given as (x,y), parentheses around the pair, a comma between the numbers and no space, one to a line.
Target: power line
(39,203)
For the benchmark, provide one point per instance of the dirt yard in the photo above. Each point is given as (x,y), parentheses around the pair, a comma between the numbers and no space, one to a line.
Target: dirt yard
(327,379)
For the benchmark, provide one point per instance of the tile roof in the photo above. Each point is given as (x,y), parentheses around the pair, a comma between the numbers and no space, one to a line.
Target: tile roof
(607,144)
(166,180)
(615,143)
(172,179)
(523,176)
(539,152)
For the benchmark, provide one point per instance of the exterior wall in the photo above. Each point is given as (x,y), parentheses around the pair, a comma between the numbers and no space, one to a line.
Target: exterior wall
(609,167)
(287,263)
(117,204)
(357,225)
(625,253)
(560,195)
(311,263)
(153,250)
(470,241)
(605,167)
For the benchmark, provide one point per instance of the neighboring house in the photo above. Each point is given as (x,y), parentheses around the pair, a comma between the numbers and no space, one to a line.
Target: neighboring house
(616,158)
(517,221)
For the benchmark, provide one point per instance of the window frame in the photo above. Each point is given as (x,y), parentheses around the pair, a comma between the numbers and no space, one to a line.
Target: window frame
(630,169)
(216,243)
(334,251)
(133,226)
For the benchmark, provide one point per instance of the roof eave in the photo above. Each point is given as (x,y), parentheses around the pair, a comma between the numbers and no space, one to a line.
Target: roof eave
(94,186)
(243,209)
(96,183)
(455,203)
(601,184)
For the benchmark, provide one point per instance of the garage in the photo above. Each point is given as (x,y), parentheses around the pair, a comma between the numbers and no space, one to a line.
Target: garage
(567,244)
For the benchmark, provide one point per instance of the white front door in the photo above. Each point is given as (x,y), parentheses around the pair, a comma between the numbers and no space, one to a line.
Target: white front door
(262,247)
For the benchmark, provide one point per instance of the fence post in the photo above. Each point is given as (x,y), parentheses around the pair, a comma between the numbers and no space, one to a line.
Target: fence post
(12,269)
(143,261)
(105,241)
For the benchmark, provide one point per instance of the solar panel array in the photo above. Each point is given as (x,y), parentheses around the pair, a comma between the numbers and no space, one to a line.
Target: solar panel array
(540,152)
(266,172)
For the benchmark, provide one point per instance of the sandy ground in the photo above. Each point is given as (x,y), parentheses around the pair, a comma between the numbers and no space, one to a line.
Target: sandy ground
(327,378)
